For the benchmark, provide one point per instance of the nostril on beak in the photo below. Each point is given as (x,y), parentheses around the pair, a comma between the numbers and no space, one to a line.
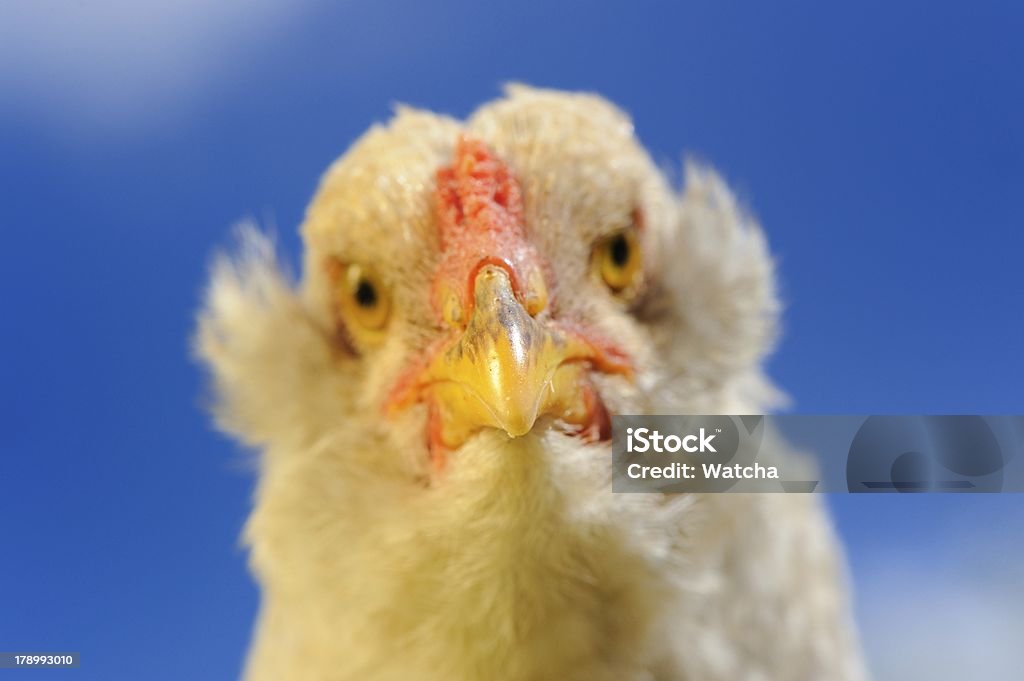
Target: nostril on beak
(535,294)
(452,310)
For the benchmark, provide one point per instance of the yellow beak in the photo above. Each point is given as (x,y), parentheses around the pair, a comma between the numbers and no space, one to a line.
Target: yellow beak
(507,369)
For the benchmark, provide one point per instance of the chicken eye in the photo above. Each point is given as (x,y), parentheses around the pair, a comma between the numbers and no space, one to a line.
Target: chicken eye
(363,298)
(617,259)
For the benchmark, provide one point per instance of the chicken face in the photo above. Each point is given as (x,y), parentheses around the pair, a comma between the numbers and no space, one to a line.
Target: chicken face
(482,279)
(505,361)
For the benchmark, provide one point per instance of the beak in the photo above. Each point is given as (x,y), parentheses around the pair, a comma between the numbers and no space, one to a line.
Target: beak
(507,369)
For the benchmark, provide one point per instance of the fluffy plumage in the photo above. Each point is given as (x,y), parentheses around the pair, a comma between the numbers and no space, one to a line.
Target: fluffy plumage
(516,562)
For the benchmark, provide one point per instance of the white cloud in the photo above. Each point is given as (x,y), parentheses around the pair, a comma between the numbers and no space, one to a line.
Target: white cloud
(120,65)
(947,618)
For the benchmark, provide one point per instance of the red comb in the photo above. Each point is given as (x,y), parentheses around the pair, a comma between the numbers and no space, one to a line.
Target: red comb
(477,193)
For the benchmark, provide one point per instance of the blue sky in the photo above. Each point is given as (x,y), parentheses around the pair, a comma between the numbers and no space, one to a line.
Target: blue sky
(881,145)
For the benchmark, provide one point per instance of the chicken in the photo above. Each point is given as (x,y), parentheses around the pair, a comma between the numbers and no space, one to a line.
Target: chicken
(432,406)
